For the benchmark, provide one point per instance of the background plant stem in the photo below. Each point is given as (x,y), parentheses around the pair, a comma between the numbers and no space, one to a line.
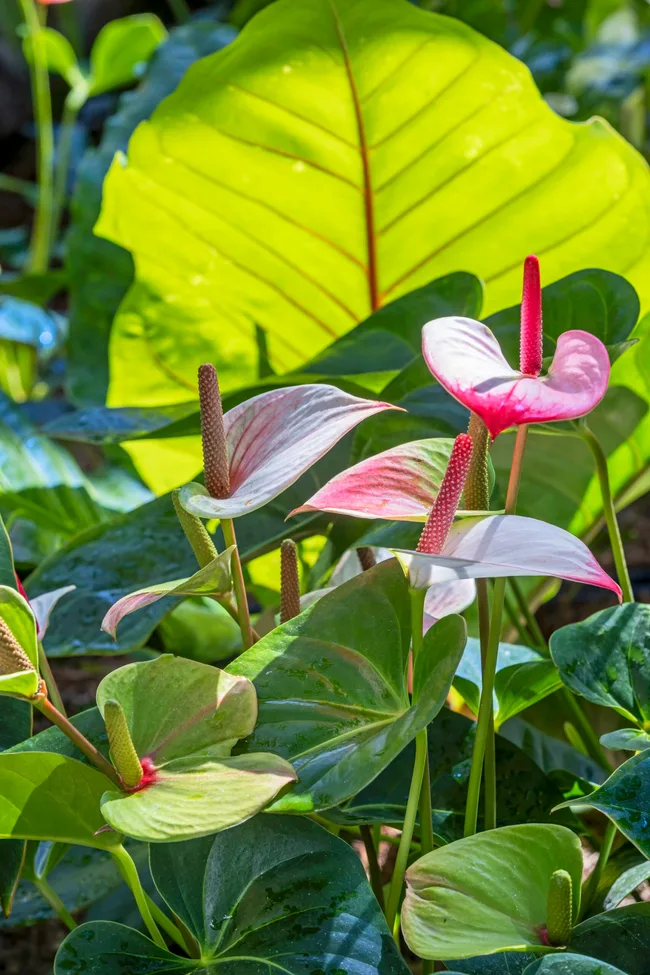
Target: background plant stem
(483,599)
(609,511)
(228,529)
(180,10)
(40,85)
(55,902)
(129,871)
(485,722)
(71,107)
(373,864)
(592,883)
(52,688)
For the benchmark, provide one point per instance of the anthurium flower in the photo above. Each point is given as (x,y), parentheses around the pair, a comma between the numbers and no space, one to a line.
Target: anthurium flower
(172,724)
(274,438)
(399,484)
(466,358)
(506,545)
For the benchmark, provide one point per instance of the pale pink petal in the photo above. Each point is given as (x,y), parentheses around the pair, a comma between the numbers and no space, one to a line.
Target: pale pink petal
(399,484)
(273,439)
(446,598)
(43,605)
(212,579)
(507,545)
(465,358)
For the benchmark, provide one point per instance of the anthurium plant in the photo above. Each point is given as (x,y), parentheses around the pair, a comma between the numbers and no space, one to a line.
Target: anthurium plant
(331,735)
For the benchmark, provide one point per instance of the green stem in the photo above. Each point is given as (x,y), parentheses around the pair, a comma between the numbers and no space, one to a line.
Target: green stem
(181,10)
(92,754)
(531,622)
(586,732)
(40,84)
(591,886)
(609,510)
(55,902)
(485,721)
(228,529)
(166,924)
(483,600)
(513,614)
(407,829)
(72,105)
(50,681)
(129,871)
(373,864)
(425,811)
(12,184)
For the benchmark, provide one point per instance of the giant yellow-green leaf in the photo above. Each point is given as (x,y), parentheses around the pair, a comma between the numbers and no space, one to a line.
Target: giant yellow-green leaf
(337,155)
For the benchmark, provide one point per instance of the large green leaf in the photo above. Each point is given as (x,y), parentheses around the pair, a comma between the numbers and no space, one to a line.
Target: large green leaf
(274,894)
(332,687)
(487,892)
(100,272)
(606,659)
(342,153)
(569,964)
(525,794)
(44,796)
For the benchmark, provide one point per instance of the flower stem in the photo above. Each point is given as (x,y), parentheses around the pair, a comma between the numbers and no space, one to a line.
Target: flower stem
(417,779)
(228,529)
(50,682)
(485,722)
(407,829)
(586,732)
(592,884)
(531,623)
(40,84)
(55,902)
(73,103)
(92,754)
(129,871)
(609,510)
(373,864)
(483,600)
(166,923)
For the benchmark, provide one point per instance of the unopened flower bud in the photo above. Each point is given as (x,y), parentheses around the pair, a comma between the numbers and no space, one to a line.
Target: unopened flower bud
(123,753)
(289,581)
(531,336)
(559,909)
(213,434)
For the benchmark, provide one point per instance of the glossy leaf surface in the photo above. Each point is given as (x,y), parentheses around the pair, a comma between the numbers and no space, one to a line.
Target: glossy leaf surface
(275,893)
(487,892)
(606,659)
(332,687)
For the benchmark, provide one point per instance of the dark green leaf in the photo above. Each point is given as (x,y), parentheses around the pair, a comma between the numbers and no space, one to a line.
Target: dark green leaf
(625,884)
(525,793)
(274,893)
(506,963)
(596,301)
(606,659)
(620,938)
(626,739)
(331,686)
(569,964)
(625,798)
(121,49)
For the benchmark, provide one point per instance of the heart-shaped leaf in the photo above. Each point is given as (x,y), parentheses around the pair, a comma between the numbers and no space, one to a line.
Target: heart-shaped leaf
(275,893)
(568,964)
(18,647)
(606,659)
(620,938)
(351,185)
(184,718)
(332,686)
(212,579)
(523,678)
(275,437)
(525,793)
(44,796)
(488,892)
(625,798)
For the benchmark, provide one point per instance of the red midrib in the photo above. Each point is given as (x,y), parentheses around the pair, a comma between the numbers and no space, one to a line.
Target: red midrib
(373,287)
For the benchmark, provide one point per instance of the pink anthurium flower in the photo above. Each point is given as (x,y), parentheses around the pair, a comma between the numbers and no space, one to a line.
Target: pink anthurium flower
(466,358)
(399,484)
(274,438)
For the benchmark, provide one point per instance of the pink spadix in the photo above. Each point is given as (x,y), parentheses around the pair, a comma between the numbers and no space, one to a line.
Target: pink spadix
(446,504)
(531,339)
